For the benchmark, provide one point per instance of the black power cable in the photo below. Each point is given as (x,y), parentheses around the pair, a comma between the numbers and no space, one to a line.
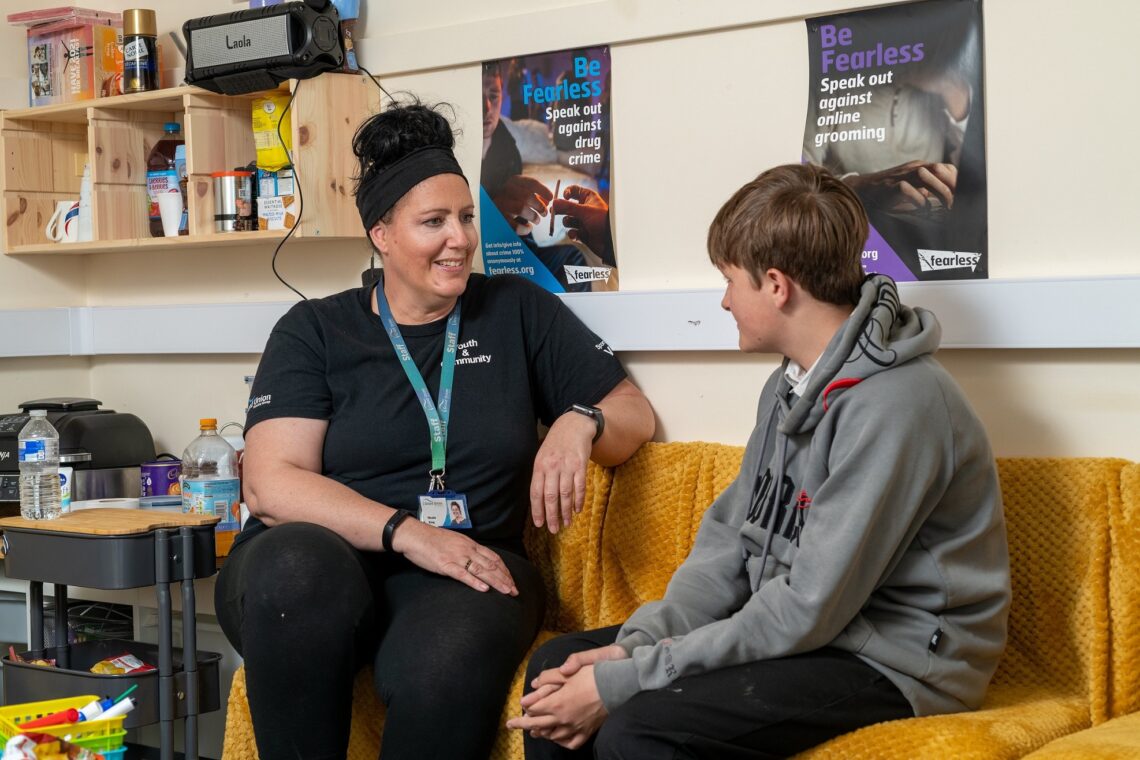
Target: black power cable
(297,182)
(300,195)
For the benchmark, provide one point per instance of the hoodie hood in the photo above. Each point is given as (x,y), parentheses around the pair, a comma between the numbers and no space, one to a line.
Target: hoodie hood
(880,333)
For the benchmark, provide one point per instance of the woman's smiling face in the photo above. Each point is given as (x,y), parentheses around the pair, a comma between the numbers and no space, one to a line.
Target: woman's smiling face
(427,248)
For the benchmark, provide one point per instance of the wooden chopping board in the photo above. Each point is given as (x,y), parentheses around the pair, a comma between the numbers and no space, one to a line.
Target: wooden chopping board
(109,521)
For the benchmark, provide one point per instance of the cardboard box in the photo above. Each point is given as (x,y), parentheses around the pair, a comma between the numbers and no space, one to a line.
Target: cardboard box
(276,212)
(279,182)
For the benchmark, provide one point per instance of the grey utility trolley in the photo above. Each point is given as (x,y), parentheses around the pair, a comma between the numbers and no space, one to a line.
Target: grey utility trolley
(117,549)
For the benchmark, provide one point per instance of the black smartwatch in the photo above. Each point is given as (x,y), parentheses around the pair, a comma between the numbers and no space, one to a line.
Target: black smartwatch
(390,527)
(593,413)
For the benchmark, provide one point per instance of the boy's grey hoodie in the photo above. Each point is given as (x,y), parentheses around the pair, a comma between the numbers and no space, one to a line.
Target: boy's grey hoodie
(888,539)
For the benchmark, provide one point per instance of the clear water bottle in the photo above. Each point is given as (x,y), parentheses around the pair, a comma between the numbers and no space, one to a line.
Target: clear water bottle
(210,483)
(39,468)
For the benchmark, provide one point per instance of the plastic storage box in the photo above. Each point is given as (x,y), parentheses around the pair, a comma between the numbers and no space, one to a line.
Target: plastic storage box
(73,54)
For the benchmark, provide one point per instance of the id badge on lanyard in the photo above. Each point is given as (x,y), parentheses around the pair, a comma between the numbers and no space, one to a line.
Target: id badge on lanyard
(439,506)
(445,509)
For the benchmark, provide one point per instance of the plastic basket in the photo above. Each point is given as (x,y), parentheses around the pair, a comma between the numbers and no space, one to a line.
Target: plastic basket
(13,715)
(114,754)
(101,744)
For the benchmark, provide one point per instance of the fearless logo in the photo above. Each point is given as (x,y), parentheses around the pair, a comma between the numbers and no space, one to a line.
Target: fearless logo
(257,401)
(467,357)
(575,274)
(937,261)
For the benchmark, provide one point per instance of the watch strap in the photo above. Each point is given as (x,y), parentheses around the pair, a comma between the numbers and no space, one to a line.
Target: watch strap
(390,527)
(593,413)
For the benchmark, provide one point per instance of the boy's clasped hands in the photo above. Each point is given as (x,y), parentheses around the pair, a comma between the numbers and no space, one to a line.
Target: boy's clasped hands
(564,705)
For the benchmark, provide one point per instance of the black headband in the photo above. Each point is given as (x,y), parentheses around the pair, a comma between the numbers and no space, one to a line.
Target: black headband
(379,193)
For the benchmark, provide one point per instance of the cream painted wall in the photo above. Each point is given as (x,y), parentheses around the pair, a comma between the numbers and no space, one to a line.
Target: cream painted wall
(702,102)
(1032,402)
(25,379)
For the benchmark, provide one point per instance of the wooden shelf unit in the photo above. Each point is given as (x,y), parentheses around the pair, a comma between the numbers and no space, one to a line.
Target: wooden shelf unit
(45,148)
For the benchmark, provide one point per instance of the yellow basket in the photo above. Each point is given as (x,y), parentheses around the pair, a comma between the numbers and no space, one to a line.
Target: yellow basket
(13,715)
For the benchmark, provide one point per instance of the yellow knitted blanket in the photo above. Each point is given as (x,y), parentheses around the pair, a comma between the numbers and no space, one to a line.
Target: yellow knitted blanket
(1070,662)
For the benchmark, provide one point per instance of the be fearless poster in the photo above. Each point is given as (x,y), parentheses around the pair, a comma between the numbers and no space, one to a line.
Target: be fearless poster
(545,177)
(896,109)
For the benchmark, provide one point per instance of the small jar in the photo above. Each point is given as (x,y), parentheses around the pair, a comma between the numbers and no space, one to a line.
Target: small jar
(140,51)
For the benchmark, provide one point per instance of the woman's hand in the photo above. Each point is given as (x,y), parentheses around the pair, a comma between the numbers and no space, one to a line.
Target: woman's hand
(447,552)
(558,481)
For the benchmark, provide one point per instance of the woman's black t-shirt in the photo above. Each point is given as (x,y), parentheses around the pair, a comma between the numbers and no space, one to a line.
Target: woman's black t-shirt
(522,357)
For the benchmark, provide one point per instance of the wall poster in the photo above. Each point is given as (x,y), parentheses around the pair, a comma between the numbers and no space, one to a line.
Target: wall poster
(896,109)
(545,176)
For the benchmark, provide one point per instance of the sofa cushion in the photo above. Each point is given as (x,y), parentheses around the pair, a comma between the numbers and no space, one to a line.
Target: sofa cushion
(638,525)
(1057,514)
(1113,740)
(1013,721)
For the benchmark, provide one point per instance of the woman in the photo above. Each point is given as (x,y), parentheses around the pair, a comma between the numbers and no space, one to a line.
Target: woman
(383,404)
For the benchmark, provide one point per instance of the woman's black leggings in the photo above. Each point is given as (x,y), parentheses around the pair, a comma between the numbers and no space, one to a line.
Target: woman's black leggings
(306,610)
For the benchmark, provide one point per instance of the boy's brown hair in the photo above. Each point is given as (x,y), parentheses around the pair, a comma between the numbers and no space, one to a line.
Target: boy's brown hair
(801,220)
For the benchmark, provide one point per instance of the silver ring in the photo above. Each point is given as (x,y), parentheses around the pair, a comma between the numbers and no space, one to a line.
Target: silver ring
(467,567)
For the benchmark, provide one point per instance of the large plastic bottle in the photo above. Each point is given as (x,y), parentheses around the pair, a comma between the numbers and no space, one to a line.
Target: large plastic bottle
(39,468)
(162,173)
(210,483)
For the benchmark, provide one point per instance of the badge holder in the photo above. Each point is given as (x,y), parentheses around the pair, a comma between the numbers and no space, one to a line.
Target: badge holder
(441,507)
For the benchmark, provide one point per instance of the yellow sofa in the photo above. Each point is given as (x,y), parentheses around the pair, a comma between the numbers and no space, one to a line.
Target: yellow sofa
(1070,668)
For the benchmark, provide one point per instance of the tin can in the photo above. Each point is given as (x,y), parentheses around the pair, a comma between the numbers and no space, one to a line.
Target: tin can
(158,484)
(233,201)
(140,50)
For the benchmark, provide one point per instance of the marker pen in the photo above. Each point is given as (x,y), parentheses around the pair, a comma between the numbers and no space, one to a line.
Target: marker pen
(117,709)
(70,715)
(94,709)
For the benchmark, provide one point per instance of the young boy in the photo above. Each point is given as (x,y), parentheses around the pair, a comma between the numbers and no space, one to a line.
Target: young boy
(855,571)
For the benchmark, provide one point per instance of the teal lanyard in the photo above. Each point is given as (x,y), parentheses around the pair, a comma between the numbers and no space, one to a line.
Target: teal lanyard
(438,412)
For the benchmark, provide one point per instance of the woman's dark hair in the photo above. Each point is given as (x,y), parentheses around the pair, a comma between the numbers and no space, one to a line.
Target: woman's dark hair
(401,128)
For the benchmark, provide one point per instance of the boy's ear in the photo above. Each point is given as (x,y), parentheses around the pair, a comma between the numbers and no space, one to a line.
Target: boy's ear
(778,285)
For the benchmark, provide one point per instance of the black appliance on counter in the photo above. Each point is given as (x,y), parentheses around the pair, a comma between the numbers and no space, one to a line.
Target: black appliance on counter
(104,447)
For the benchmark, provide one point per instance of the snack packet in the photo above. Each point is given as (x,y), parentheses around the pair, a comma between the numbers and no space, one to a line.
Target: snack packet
(268,111)
(50,663)
(29,746)
(121,665)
